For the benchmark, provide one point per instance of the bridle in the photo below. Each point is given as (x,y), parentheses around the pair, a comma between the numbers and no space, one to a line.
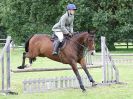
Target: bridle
(84,45)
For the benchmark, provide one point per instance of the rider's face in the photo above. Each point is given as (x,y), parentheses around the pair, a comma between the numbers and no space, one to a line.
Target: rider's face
(72,12)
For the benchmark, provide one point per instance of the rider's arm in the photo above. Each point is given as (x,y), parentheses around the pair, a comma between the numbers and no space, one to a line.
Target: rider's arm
(71,27)
(63,21)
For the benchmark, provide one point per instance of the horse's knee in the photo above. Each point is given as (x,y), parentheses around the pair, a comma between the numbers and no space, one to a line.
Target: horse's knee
(83,88)
(24,55)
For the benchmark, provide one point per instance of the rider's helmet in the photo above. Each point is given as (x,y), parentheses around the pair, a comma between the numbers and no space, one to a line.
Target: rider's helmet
(71,7)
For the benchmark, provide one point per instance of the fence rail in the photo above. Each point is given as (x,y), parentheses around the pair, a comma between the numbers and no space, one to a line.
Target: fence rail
(49,69)
(119,59)
(2,41)
(45,84)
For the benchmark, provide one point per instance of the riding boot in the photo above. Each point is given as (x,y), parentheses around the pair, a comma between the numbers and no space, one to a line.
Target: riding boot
(56,47)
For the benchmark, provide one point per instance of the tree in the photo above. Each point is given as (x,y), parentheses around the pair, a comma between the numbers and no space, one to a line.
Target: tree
(23,18)
(111,18)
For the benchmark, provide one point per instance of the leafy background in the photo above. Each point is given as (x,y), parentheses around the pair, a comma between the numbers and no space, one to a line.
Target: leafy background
(111,18)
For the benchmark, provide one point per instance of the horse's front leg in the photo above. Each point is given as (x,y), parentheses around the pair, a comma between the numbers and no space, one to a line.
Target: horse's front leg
(74,67)
(83,64)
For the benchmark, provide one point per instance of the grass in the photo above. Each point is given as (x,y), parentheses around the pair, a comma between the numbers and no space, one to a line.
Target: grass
(124,91)
(123,50)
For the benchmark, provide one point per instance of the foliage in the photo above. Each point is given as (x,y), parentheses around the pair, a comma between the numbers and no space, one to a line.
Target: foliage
(111,18)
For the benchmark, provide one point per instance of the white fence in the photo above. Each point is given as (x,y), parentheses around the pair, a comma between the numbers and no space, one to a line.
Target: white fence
(45,84)
(119,59)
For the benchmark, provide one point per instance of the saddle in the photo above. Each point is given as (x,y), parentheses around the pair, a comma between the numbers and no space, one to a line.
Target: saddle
(62,45)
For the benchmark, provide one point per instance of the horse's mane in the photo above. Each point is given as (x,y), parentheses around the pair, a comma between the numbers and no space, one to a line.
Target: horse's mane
(77,34)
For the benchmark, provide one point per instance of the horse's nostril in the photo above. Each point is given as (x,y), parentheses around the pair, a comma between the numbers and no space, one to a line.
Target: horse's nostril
(92,52)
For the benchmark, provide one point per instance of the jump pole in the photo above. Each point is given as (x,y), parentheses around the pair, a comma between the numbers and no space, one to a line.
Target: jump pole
(6,83)
(48,69)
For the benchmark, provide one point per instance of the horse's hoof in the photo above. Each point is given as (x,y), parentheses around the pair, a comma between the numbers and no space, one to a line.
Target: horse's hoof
(94,84)
(22,67)
(83,90)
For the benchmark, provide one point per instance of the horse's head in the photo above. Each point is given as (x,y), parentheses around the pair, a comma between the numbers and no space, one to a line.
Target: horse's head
(86,39)
(90,41)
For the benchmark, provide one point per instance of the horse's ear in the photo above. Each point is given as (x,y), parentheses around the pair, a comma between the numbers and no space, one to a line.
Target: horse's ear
(92,32)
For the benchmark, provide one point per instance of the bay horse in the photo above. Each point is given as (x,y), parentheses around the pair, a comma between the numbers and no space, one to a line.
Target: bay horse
(73,52)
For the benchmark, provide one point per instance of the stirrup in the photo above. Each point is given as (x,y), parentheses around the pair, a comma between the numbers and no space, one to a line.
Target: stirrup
(55,53)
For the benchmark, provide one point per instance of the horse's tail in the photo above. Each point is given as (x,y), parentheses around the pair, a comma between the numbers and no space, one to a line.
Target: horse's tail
(27,44)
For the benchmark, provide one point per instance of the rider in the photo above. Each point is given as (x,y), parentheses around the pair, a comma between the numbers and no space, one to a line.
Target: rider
(64,26)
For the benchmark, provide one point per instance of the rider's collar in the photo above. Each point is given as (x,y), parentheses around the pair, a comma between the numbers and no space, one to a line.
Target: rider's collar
(69,14)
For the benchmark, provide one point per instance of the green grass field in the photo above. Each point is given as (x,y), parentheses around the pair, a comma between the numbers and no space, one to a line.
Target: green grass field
(124,91)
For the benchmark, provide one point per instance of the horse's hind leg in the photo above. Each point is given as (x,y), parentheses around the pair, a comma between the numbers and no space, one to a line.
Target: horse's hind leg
(23,62)
(83,64)
(74,67)
(30,61)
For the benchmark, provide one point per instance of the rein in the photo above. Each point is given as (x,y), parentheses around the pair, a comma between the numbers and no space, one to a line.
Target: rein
(82,45)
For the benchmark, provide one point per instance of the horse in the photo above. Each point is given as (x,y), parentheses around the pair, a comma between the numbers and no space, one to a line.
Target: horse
(40,45)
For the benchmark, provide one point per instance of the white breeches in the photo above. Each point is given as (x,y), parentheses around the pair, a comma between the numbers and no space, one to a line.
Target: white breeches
(60,36)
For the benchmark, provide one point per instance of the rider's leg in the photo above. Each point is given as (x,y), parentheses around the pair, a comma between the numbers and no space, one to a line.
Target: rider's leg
(57,42)
(59,35)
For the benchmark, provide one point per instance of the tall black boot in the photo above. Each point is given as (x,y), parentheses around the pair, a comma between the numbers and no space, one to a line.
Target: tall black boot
(56,47)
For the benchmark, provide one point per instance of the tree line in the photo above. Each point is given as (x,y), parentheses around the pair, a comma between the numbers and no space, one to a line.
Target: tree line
(111,18)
